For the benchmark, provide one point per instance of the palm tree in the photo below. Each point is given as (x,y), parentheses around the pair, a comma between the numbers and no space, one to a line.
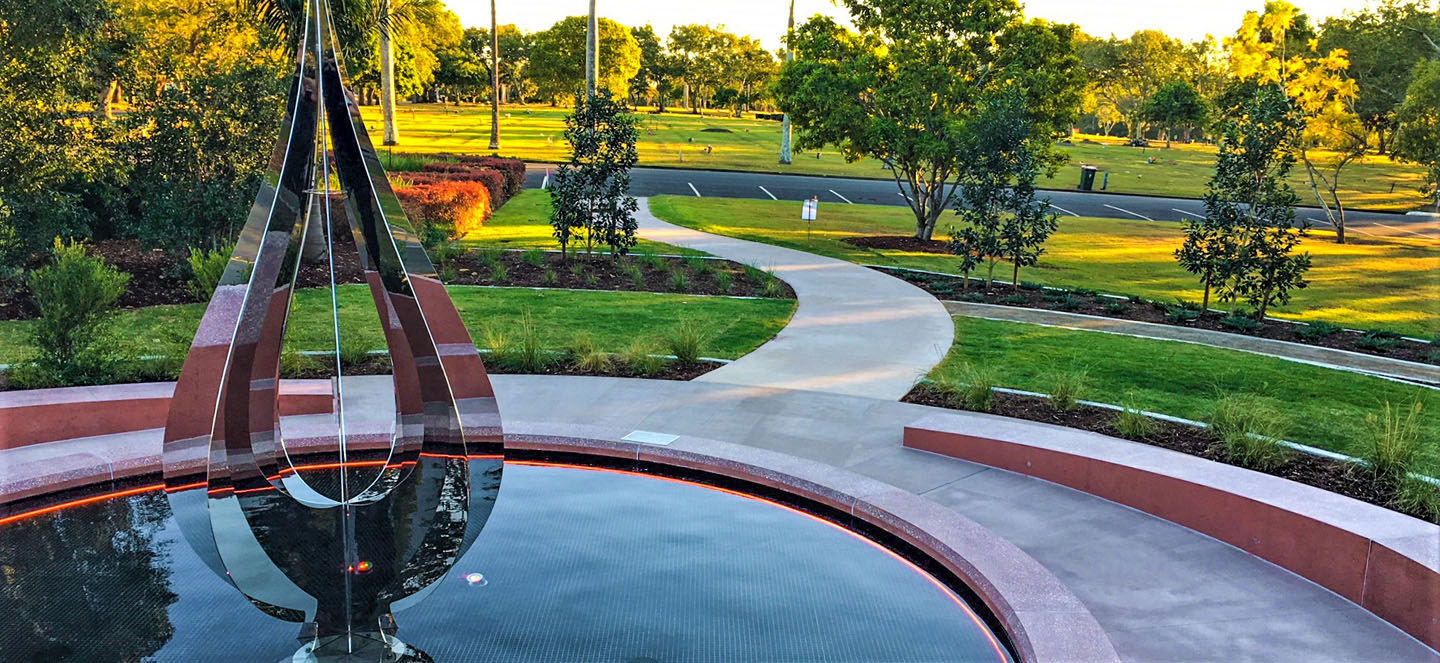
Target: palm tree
(389,16)
(494,80)
(592,47)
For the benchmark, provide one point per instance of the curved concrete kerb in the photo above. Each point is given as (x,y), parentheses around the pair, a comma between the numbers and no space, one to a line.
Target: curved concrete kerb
(1043,620)
(856,331)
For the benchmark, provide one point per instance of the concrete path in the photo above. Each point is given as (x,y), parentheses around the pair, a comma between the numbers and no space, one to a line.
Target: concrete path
(1344,360)
(856,331)
(1162,592)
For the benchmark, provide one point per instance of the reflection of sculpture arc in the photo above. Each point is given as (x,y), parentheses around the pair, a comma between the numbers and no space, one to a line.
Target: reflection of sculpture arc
(335,533)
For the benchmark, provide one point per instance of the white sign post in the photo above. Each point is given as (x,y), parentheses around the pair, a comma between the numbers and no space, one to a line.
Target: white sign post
(809,209)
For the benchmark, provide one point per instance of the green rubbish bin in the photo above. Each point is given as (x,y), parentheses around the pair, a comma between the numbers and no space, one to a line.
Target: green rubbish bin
(1087,178)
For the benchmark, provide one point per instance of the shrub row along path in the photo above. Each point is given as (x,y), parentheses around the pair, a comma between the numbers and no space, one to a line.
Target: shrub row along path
(855,332)
(1309,354)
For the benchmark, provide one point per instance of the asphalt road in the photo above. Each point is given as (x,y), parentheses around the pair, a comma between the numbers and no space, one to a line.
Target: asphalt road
(842,191)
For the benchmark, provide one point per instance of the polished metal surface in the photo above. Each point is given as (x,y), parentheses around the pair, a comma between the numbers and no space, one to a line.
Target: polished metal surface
(334,533)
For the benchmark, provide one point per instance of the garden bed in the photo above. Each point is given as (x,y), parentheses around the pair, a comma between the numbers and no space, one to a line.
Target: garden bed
(322,367)
(1335,476)
(1180,314)
(638,273)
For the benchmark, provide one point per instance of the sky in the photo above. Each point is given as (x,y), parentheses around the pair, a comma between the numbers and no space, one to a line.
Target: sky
(765,19)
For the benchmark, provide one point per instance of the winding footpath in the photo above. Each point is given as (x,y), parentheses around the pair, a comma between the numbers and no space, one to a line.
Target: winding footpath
(855,332)
(1355,362)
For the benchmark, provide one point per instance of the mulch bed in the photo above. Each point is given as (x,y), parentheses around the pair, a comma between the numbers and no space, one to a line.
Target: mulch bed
(159,277)
(1090,303)
(897,243)
(323,368)
(540,269)
(1334,476)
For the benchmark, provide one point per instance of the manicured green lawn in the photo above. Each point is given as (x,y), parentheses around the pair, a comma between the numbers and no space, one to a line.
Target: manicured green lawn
(1369,283)
(612,319)
(524,223)
(1327,407)
(679,139)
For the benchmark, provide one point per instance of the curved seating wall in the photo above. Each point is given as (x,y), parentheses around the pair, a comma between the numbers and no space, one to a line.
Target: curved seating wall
(1383,561)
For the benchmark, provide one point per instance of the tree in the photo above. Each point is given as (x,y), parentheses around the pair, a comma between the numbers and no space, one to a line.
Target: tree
(1383,43)
(1128,73)
(1249,204)
(494,80)
(1318,88)
(1418,138)
(1178,104)
(389,17)
(589,192)
(700,55)
(1001,217)
(557,58)
(785,151)
(907,89)
(644,87)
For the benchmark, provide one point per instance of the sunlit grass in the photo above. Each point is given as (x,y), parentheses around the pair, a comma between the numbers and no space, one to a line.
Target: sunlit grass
(1326,407)
(536,132)
(524,223)
(1389,283)
(612,319)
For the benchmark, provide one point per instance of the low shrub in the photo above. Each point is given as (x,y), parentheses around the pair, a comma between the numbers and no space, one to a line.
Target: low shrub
(1130,422)
(586,356)
(502,349)
(945,289)
(636,275)
(489,256)
(1084,292)
(577,268)
(679,282)
(1030,285)
(1069,303)
(722,281)
(978,297)
(353,353)
(1417,496)
(1315,330)
(206,268)
(534,258)
(1181,314)
(529,353)
(451,207)
(1135,299)
(591,280)
(973,388)
(1066,387)
(512,170)
(1392,441)
(685,341)
(1240,322)
(1013,300)
(443,171)
(1116,307)
(1378,341)
(74,294)
(695,262)
(296,365)
(549,277)
(1055,295)
(1252,429)
(771,286)
(498,272)
(654,261)
(639,358)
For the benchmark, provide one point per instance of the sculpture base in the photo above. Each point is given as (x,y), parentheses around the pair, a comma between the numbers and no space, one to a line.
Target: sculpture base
(359,648)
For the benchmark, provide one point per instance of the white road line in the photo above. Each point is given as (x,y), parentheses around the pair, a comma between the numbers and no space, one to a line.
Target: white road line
(1062,209)
(767,192)
(1198,216)
(1312,220)
(1118,209)
(847,200)
(1402,230)
(692,188)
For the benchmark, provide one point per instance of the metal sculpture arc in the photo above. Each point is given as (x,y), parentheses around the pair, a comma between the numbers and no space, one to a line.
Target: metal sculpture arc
(336,521)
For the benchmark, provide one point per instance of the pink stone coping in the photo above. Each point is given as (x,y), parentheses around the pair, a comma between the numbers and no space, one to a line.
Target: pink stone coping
(46,415)
(1384,561)
(1042,618)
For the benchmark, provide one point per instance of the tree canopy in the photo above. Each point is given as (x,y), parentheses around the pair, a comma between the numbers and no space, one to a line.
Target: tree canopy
(557,58)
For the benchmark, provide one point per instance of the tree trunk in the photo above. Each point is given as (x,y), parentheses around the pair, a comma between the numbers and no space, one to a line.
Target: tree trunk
(1205,300)
(592,48)
(387,87)
(1015,277)
(785,149)
(495,79)
(104,107)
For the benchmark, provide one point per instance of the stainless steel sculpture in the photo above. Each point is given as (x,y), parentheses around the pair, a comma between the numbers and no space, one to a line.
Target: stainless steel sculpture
(337,530)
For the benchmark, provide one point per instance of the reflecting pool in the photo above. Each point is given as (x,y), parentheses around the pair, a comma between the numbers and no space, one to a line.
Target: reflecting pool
(574,565)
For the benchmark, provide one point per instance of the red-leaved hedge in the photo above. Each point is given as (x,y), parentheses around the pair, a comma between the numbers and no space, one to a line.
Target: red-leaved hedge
(452,206)
(512,169)
(493,180)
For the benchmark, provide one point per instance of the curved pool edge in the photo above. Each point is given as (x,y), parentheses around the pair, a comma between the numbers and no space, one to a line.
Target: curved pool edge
(1040,617)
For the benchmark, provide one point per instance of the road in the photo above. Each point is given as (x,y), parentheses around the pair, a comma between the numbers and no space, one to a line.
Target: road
(842,191)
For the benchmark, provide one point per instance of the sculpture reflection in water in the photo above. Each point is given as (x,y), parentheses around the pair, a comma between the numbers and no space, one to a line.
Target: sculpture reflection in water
(337,530)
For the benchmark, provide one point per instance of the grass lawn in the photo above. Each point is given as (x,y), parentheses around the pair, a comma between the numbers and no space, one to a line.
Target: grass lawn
(612,319)
(1327,407)
(679,139)
(1370,283)
(524,223)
